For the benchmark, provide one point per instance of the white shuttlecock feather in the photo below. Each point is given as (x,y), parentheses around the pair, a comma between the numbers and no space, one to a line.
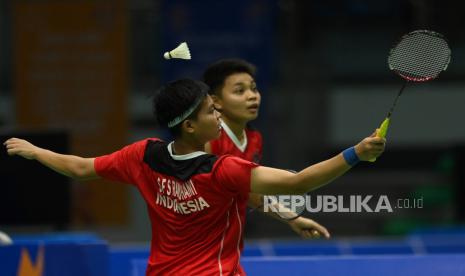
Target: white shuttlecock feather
(182,52)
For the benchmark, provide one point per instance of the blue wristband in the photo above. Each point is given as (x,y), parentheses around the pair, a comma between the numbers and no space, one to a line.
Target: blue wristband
(350,156)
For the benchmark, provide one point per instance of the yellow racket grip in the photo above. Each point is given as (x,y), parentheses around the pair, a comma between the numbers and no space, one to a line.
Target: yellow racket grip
(382,131)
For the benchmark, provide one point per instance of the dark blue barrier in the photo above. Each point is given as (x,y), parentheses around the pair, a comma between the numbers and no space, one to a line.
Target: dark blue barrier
(382,247)
(398,265)
(87,254)
(122,260)
(439,244)
(305,248)
(55,259)
(426,244)
(330,247)
(58,237)
(254,250)
(55,254)
(439,240)
(428,265)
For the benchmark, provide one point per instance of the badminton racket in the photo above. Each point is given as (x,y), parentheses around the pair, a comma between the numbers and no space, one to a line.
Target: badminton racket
(418,56)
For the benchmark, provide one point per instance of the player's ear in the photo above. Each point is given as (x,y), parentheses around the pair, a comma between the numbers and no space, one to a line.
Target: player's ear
(188,126)
(217,102)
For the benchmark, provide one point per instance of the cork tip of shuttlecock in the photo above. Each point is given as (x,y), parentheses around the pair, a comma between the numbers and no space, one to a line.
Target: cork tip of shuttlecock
(166,55)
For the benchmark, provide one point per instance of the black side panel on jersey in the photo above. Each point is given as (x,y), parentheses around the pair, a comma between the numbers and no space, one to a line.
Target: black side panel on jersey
(159,159)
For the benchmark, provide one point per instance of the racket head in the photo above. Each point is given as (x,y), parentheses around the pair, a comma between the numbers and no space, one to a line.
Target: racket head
(420,56)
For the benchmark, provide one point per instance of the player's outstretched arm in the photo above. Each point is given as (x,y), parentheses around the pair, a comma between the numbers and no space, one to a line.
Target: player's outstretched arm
(308,228)
(265,180)
(304,227)
(72,166)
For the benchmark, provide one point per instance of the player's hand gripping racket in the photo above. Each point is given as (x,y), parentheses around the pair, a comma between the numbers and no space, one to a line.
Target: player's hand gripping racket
(419,56)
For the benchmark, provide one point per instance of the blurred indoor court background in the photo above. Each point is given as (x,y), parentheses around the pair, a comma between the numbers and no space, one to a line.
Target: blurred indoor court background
(76,77)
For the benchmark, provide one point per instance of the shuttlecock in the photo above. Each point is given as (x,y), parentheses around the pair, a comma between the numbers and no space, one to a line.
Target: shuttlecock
(182,52)
(5,239)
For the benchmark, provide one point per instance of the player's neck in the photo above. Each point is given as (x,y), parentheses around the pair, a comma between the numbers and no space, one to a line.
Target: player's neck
(236,127)
(182,147)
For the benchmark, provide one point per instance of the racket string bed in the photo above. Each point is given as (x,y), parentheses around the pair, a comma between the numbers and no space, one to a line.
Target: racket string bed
(420,56)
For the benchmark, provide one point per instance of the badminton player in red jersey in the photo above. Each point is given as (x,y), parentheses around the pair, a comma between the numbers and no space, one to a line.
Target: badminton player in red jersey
(236,97)
(193,197)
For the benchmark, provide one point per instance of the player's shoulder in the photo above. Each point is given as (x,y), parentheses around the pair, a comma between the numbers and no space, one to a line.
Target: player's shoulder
(145,143)
(152,140)
(151,145)
(228,161)
(229,167)
(139,148)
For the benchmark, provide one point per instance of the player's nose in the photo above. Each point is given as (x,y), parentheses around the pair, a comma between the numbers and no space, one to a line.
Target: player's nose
(251,94)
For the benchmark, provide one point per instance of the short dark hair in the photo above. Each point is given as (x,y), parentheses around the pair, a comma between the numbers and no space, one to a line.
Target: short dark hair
(175,98)
(216,73)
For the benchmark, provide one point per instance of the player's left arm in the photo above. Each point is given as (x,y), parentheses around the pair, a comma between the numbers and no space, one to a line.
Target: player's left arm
(308,228)
(305,227)
(72,166)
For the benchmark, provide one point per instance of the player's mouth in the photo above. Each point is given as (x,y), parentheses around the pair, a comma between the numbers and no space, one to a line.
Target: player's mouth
(253,107)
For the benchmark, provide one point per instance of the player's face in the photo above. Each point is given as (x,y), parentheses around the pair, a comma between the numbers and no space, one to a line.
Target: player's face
(207,122)
(239,100)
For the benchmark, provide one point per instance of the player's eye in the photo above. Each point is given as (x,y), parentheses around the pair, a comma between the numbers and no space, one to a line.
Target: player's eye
(239,91)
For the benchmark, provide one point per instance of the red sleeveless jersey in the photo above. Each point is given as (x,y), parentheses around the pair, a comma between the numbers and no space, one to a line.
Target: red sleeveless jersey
(195,203)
